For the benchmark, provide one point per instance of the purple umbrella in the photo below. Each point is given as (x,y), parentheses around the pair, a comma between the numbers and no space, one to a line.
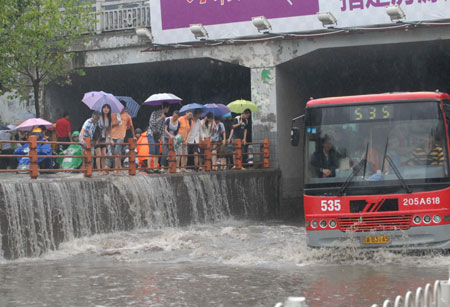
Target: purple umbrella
(29,124)
(158,99)
(96,100)
(216,109)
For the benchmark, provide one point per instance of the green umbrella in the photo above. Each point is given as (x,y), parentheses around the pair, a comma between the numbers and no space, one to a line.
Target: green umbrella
(239,106)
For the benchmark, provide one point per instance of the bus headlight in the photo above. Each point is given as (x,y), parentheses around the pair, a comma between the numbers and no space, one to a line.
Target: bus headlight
(323,224)
(314,224)
(427,219)
(417,219)
(437,219)
(333,224)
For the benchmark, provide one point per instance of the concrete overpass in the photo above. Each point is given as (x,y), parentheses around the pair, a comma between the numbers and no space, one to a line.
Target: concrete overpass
(278,73)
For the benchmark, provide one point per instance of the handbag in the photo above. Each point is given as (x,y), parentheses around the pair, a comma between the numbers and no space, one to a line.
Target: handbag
(97,134)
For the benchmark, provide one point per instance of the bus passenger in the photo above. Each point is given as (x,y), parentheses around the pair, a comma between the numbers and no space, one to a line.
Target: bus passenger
(430,153)
(325,161)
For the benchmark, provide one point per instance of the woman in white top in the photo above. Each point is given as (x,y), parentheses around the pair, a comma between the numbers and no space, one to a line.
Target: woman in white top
(195,136)
(207,125)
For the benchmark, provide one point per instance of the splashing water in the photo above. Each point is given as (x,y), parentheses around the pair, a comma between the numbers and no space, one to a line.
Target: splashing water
(37,216)
(227,263)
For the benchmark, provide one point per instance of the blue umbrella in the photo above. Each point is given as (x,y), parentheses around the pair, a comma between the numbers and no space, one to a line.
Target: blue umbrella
(216,109)
(132,106)
(192,106)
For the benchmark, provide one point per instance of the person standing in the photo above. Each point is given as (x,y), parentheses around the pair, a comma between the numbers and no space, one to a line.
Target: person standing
(185,128)
(105,126)
(240,125)
(63,131)
(88,129)
(156,129)
(171,128)
(218,140)
(229,131)
(195,136)
(120,124)
(6,149)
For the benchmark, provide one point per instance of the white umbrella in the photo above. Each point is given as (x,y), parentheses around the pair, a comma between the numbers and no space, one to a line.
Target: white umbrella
(158,99)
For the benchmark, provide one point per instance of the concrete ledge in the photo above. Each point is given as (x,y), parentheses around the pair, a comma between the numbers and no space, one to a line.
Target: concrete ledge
(38,215)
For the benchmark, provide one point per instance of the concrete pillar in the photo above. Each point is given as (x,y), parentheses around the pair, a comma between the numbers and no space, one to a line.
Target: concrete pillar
(290,104)
(98,9)
(277,95)
(263,87)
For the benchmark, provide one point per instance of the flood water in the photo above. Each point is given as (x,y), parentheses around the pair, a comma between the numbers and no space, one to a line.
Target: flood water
(231,263)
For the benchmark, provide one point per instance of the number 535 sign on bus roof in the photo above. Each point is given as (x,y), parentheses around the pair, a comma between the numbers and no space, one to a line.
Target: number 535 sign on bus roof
(232,18)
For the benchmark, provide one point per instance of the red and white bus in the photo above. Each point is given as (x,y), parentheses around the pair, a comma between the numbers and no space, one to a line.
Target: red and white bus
(377,170)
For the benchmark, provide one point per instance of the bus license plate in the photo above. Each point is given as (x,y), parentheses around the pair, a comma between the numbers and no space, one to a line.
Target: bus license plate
(376,239)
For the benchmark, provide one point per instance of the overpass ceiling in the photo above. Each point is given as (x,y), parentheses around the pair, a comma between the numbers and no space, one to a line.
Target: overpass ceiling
(372,69)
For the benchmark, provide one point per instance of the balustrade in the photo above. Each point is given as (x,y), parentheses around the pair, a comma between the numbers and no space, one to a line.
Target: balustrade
(121,15)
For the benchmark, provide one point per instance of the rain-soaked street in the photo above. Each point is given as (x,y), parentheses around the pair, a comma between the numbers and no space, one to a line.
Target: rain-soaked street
(231,263)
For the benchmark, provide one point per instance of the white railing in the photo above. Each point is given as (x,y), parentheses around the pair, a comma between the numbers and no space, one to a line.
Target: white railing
(293,302)
(436,295)
(121,15)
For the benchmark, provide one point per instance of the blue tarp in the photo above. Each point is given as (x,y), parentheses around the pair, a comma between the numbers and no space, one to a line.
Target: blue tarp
(42,149)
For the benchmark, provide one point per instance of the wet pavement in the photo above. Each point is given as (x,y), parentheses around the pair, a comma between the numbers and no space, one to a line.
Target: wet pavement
(231,263)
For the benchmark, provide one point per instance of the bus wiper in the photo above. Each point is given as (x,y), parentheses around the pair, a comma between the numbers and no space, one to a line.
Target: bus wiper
(356,170)
(394,168)
(398,174)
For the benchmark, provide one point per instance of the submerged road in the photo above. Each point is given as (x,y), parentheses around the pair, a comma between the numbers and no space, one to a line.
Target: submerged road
(230,263)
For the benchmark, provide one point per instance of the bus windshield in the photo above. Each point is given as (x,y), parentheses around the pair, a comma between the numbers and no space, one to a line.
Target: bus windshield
(371,141)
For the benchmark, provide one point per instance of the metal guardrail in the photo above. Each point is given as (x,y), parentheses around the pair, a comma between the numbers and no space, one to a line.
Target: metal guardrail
(209,157)
(121,15)
(436,295)
(293,302)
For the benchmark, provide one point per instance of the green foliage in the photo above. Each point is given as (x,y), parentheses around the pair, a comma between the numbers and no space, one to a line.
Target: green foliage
(35,41)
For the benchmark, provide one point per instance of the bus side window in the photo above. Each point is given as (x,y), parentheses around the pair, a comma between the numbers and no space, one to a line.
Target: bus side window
(447,112)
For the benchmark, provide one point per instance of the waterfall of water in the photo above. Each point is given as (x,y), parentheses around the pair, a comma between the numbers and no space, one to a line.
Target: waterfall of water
(36,216)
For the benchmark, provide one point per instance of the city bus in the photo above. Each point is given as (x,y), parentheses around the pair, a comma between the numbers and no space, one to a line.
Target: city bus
(376,170)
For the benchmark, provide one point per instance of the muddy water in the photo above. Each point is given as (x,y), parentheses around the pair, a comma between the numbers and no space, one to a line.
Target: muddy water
(231,263)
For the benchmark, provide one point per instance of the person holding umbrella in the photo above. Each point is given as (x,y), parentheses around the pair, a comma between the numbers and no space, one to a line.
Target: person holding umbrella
(104,124)
(156,128)
(120,124)
(240,125)
(195,136)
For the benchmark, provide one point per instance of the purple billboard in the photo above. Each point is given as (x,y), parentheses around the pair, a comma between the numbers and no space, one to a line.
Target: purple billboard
(178,14)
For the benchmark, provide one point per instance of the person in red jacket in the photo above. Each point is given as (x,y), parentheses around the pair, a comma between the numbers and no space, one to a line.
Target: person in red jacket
(63,131)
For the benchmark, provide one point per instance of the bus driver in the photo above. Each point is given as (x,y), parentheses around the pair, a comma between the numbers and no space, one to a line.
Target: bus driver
(325,161)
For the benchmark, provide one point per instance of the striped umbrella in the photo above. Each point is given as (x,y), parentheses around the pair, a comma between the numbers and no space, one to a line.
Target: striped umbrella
(132,106)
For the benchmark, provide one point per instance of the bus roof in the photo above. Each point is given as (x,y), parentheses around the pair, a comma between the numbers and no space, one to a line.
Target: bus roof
(378,97)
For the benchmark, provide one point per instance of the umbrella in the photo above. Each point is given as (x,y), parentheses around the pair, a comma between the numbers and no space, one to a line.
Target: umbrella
(4,129)
(158,99)
(192,106)
(29,124)
(239,106)
(216,109)
(96,100)
(132,107)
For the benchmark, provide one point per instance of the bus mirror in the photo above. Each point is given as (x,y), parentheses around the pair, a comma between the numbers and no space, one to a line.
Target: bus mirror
(295,136)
